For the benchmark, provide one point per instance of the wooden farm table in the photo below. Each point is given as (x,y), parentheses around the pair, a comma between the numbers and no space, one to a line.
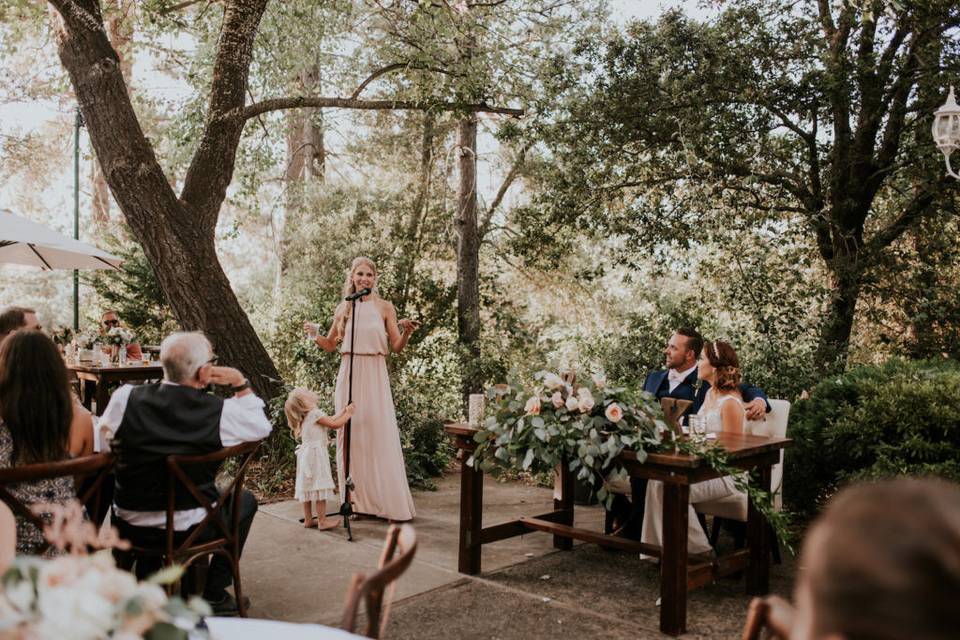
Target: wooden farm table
(96,380)
(679,572)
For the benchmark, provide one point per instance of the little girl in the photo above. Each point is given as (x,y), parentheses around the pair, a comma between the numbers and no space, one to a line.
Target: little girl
(314,480)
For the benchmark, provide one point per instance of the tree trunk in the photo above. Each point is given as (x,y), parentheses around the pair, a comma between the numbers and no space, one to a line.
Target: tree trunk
(177,234)
(119,25)
(846,282)
(468,259)
(409,243)
(306,161)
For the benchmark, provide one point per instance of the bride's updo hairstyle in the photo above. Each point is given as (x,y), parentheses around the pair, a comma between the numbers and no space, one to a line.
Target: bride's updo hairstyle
(724,359)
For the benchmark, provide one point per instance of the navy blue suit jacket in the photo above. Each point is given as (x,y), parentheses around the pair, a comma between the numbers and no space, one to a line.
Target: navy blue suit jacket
(658,384)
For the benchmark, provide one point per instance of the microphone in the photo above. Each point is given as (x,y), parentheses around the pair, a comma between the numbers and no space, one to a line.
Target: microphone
(359,294)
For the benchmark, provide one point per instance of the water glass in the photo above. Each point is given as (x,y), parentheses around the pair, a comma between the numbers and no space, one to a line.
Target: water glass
(698,426)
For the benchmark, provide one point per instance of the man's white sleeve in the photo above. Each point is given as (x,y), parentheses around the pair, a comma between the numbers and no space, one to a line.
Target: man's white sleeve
(243,420)
(105,427)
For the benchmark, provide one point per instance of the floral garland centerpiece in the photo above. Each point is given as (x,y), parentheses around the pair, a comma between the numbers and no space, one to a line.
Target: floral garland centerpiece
(536,424)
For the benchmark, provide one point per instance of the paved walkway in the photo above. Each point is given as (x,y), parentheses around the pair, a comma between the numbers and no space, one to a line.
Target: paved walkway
(526,590)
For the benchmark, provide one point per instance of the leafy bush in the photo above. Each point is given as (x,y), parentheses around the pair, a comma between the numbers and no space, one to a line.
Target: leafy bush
(873,421)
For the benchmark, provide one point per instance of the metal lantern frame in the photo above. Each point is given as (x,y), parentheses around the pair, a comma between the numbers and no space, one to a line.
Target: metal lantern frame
(946,129)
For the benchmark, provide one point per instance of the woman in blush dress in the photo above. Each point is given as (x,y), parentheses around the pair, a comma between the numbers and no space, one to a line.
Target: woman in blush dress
(376,457)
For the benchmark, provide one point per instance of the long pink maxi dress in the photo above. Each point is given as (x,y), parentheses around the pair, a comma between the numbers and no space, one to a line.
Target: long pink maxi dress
(376,462)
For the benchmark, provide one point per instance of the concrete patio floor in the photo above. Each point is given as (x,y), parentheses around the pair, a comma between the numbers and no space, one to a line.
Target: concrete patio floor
(527,588)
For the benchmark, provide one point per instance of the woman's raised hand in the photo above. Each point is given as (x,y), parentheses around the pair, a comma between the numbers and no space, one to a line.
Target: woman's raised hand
(408,326)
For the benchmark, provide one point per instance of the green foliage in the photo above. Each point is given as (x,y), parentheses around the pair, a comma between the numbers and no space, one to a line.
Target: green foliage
(873,421)
(133,293)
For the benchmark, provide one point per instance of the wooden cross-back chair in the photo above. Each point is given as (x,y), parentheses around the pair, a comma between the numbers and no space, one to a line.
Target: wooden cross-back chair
(376,590)
(186,549)
(769,618)
(97,466)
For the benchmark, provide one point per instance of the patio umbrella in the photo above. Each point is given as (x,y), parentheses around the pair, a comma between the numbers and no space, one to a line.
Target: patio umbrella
(23,241)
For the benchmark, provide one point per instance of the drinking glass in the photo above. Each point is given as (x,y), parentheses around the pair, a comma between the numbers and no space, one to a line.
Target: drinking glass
(698,426)
(312,330)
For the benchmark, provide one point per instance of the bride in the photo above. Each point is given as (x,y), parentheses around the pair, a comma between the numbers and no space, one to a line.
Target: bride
(723,410)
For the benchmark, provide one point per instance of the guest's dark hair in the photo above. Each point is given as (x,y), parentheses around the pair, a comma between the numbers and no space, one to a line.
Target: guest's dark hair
(12,318)
(724,359)
(694,339)
(883,561)
(35,401)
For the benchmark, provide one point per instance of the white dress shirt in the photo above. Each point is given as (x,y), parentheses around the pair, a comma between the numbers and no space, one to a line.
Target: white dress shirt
(674,378)
(242,420)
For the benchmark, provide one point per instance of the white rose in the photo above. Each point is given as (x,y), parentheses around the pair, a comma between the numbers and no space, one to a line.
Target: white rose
(556,399)
(552,381)
(532,407)
(586,400)
(572,403)
(73,612)
(599,380)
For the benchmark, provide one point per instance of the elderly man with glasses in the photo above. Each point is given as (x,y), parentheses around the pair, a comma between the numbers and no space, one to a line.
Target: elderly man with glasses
(108,321)
(146,423)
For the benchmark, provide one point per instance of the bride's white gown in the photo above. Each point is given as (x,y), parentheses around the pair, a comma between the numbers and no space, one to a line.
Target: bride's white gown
(705,491)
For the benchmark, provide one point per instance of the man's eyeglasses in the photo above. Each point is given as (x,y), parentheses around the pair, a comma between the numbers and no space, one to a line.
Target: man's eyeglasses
(111,323)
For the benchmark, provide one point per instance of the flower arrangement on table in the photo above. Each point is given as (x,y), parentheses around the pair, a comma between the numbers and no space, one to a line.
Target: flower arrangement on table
(86,596)
(120,336)
(536,424)
(87,338)
(62,335)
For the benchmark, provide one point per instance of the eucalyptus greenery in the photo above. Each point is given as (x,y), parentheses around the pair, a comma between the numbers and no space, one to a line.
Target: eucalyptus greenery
(537,425)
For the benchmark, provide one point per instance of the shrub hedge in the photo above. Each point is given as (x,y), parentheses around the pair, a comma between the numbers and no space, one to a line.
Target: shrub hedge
(902,417)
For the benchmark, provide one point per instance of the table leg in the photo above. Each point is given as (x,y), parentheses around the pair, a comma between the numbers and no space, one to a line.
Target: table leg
(758,539)
(471,518)
(86,393)
(102,397)
(565,504)
(673,562)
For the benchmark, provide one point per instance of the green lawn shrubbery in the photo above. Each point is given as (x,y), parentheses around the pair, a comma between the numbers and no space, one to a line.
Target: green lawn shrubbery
(902,417)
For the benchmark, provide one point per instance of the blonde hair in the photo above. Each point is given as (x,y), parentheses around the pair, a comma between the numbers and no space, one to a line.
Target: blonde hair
(300,402)
(350,289)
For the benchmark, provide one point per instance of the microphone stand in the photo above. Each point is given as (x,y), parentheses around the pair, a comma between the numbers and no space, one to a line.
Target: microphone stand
(346,508)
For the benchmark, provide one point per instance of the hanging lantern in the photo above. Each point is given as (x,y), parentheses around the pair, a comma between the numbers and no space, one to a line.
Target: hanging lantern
(946,129)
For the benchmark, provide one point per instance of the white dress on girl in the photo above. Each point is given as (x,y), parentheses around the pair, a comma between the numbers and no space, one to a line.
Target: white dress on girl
(314,480)
(697,542)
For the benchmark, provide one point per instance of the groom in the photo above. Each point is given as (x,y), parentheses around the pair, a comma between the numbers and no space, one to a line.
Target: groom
(679,380)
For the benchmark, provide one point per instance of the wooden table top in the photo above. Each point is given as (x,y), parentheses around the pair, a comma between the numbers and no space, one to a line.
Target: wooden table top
(737,445)
(91,367)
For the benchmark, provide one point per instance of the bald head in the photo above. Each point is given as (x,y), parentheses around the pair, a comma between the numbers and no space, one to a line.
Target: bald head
(182,355)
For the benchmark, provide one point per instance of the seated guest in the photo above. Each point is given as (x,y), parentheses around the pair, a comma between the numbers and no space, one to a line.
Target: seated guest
(40,421)
(13,318)
(147,423)
(108,321)
(679,380)
(882,563)
(723,407)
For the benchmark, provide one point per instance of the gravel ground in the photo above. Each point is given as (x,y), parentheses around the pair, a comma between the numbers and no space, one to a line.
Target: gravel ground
(584,593)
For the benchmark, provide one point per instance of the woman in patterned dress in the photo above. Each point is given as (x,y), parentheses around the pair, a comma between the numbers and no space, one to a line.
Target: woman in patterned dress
(39,422)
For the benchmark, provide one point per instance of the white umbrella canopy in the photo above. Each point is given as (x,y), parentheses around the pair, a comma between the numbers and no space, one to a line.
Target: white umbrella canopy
(23,241)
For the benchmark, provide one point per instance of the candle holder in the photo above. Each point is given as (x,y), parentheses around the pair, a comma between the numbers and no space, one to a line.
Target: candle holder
(475,411)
